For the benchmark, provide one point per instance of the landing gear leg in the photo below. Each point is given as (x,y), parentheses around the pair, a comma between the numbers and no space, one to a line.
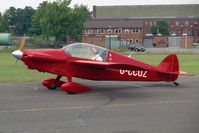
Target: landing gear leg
(69,78)
(54,86)
(52,83)
(57,79)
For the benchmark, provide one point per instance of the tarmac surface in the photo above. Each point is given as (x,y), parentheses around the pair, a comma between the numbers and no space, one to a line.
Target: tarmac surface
(111,107)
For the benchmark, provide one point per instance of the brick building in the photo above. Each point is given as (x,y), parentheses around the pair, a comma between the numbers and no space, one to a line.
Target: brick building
(98,31)
(115,21)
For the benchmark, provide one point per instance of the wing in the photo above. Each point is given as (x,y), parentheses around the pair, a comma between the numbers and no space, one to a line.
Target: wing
(108,65)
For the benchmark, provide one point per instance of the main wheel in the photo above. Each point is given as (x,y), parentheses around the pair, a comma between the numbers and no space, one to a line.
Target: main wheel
(52,88)
(71,93)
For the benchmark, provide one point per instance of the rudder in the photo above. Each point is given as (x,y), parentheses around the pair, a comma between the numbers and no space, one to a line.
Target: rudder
(169,67)
(169,64)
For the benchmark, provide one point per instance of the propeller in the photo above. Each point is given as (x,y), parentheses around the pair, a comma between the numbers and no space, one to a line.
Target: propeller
(23,43)
(18,53)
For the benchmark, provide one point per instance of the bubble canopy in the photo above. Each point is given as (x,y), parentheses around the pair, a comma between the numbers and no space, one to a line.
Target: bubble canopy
(83,50)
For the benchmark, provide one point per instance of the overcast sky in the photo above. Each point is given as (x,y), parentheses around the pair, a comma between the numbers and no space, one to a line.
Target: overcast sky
(5,4)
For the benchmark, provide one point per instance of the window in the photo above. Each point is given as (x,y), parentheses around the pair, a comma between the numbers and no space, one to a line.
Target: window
(136,41)
(126,31)
(146,23)
(198,32)
(131,41)
(185,31)
(100,31)
(177,23)
(150,23)
(118,31)
(109,31)
(195,23)
(135,30)
(186,23)
(88,31)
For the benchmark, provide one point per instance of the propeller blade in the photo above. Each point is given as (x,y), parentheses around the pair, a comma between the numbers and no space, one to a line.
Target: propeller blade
(18,53)
(16,62)
(23,43)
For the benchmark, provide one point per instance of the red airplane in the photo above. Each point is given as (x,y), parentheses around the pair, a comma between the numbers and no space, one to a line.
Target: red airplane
(88,61)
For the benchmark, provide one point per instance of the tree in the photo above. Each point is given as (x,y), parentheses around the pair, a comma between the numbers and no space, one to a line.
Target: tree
(0,22)
(4,22)
(12,15)
(63,2)
(161,26)
(36,19)
(80,15)
(56,19)
(24,20)
(17,21)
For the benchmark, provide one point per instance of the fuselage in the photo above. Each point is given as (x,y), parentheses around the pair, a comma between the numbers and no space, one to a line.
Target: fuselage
(57,61)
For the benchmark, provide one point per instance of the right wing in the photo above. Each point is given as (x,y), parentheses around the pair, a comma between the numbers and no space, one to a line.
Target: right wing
(108,65)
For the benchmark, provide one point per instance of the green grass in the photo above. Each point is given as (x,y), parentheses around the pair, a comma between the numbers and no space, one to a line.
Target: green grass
(121,50)
(11,73)
(187,62)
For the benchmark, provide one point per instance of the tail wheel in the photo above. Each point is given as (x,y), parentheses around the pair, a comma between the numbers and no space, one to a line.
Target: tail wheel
(176,83)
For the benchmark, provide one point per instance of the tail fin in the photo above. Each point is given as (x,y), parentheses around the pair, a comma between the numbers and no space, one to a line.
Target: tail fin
(170,65)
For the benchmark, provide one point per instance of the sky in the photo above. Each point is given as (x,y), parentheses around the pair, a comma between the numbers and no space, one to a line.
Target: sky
(5,4)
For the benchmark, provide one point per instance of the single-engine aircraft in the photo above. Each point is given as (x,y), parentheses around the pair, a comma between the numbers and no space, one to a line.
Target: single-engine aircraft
(88,61)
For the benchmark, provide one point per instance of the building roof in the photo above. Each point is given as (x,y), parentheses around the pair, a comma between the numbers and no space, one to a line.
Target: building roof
(143,11)
(94,23)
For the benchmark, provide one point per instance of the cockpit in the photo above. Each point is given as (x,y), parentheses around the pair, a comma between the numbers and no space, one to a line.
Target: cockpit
(87,51)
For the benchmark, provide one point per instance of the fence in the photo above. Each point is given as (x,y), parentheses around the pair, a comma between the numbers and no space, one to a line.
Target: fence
(37,42)
(174,41)
(147,42)
(116,44)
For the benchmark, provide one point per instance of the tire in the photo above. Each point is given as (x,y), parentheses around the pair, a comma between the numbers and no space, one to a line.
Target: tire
(71,93)
(52,88)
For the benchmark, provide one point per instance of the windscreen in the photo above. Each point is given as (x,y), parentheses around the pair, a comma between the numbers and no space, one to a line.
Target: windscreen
(85,50)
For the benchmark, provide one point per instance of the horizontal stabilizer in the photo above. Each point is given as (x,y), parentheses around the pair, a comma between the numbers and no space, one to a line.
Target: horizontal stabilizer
(183,73)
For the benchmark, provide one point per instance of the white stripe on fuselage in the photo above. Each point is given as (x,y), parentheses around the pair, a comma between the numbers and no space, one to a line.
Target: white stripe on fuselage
(134,73)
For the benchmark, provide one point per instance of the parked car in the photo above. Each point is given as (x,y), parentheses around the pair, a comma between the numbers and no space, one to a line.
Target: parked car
(136,47)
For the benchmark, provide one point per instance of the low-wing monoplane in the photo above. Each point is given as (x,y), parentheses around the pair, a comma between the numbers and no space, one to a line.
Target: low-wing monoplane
(88,61)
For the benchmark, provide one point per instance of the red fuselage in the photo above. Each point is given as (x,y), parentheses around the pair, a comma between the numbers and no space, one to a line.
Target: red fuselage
(57,61)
